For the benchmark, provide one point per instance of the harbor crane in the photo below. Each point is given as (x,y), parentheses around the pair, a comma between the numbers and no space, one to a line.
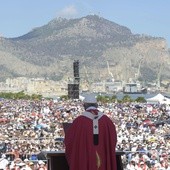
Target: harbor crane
(160,70)
(137,75)
(110,73)
(159,75)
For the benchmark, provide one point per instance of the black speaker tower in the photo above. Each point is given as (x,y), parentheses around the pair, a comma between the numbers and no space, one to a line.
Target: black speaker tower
(76,71)
(73,89)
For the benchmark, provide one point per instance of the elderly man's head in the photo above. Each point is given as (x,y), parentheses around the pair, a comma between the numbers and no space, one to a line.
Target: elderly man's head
(90,101)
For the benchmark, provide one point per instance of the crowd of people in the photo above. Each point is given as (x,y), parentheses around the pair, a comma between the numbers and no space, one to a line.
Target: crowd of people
(31,127)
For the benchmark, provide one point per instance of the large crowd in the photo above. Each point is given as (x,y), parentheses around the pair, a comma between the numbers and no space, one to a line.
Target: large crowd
(30,127)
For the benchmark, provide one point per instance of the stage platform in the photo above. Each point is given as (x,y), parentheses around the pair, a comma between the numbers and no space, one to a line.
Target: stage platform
(57,160)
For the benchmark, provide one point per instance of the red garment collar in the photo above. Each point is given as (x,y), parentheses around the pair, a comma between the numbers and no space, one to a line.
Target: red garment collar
(93,111)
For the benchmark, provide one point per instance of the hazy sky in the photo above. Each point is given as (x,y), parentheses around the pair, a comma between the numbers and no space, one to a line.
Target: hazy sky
(151,17)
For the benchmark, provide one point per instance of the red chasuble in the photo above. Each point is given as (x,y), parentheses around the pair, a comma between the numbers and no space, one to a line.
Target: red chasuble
(82,153)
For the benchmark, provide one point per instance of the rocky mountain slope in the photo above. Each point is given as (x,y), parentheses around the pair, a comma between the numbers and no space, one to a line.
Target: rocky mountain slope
(104,49)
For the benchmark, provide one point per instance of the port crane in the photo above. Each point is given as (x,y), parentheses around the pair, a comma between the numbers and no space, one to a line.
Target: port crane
(158,83)
(137,75)
(159,75)
(110,73)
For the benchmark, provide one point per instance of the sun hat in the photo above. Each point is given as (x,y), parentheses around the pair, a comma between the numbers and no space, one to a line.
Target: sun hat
(21,164)
(31,163)
(40,162)
(26,160)
(141,163)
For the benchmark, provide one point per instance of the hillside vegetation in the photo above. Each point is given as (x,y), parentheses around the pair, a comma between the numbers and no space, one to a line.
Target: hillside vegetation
(50,50)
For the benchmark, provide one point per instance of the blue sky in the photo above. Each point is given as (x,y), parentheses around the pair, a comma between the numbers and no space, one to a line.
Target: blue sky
(151,17)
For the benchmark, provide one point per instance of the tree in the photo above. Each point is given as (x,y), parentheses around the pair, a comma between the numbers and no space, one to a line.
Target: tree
(140,100)
(126,98)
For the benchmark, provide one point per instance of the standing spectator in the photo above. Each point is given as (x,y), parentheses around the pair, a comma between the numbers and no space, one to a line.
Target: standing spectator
(142,166)
(3,162)
(41,165)
(131,165)
(15,152)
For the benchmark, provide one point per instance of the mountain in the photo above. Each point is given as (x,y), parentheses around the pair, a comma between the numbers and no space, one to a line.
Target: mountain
(104,49)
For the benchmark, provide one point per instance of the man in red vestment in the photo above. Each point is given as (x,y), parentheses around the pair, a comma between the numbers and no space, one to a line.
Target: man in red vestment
(91,140)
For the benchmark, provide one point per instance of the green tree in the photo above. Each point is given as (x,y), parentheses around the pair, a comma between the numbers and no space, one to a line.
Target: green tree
(64,97)
(140,100)
(126,98)
(113,98)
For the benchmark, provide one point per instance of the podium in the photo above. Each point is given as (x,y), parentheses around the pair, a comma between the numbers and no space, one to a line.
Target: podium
(57,160)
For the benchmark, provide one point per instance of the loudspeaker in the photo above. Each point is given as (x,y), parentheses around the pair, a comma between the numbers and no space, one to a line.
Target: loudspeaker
(76,68)
(73,91)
